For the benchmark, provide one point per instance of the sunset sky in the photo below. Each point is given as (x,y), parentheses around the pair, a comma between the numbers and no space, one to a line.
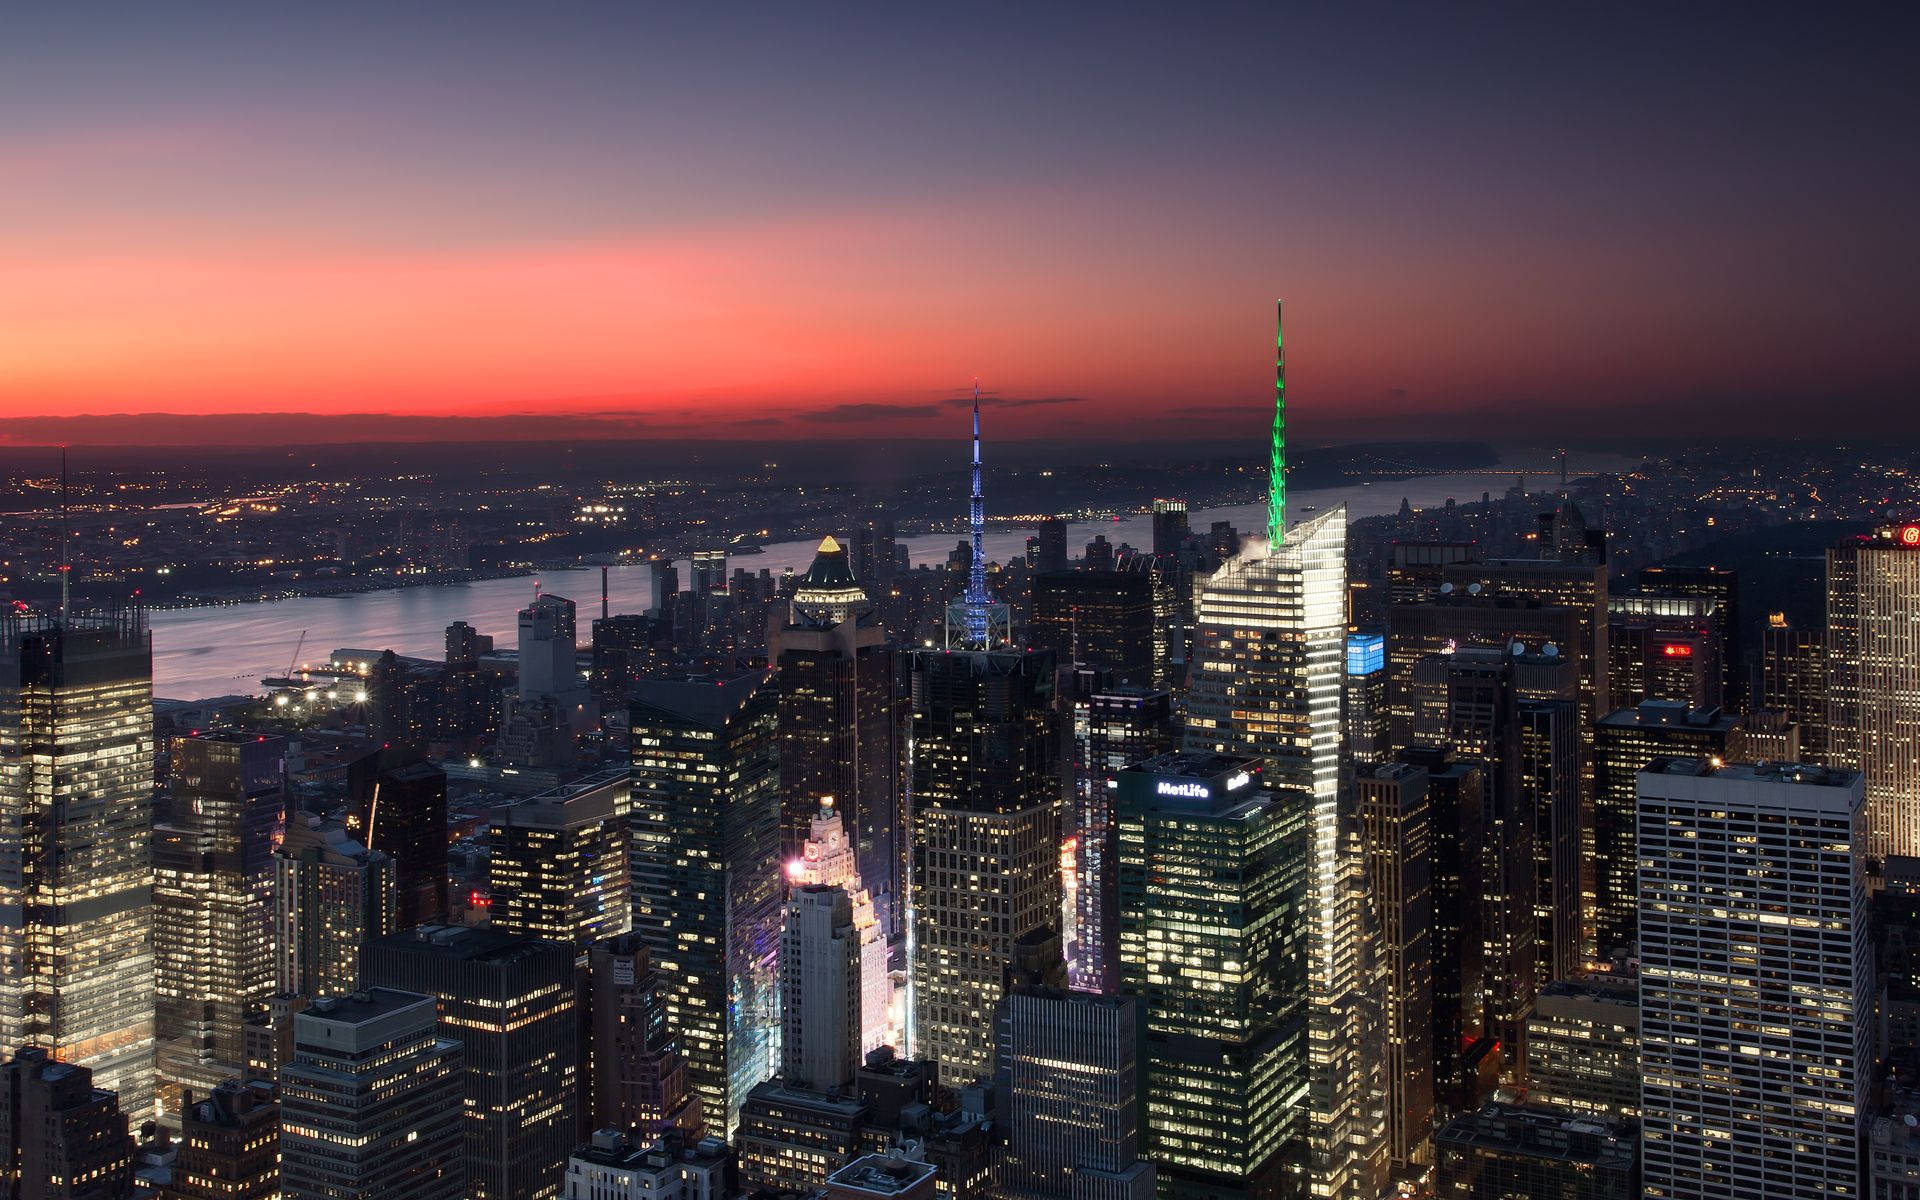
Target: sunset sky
(822,220)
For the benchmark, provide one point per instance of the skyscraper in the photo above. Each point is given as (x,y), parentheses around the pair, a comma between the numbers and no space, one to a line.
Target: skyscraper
(1266,682)
(704,856)
(839,715)
(1793,680)
(827,859)
(984,795)
(820,996)
(1396,817)
(1873,679)
(1366,695)
(1624,743)
(1114,729)
(1101,619)
(1074,1129)
(213,904)
(1214,909)
(76,812)
(639,1081)
(1755,981)
(370,1104)
(559,864)
(509,1001)
(397,805)
(331,897)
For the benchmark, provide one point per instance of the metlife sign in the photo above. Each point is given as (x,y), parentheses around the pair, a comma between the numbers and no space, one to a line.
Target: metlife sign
(1187,789)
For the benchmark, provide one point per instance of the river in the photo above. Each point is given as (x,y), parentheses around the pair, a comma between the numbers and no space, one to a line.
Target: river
(226,649)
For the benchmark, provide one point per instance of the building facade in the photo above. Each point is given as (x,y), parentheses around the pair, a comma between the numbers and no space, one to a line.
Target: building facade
(76,807)
(1755,980)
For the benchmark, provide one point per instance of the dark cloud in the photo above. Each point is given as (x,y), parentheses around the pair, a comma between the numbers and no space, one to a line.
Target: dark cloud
(850,414)
(1221,410)
(1396,393)
(996,401)
(757,422)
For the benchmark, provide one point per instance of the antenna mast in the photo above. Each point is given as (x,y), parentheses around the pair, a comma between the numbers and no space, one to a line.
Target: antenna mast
(66,568)
(1277,471)
(977,599)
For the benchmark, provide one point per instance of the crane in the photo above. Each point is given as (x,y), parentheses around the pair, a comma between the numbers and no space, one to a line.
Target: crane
(295,660)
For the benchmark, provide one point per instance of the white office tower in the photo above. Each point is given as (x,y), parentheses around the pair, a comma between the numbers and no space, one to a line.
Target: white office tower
(548,663)
(1754,981)
(1267,678)
(819,989)
(828,858)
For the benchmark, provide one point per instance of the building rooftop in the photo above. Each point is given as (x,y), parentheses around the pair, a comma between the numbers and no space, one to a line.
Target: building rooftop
(1545,1134)
(467,943)
(881,1175)
(1803,774)
(356,1007)
(708,702)
(1669,714)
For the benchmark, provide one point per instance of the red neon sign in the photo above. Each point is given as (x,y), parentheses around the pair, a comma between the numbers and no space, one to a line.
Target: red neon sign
(1677,651)
(1908,535)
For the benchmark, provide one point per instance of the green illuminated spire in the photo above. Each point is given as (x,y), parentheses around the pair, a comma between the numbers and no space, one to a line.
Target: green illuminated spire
(1277,486)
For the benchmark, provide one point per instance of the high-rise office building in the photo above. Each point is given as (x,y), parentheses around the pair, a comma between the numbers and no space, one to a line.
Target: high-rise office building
(820,994)
(639,1080)
(1624,743)
(1547,775)
(1268,653)
(76,812)
(1170,527)
(213,904)
(1101,619)
(1215,908)
(1367,728)
(839,717)
(1469,701)
(1793,680)
(1583,1047)
(1073,1114)
(229,1145)
(1398,846)
(1456,800)
(331,898)
(704,855)
(1873,679)
(509,1001)
(875,551)
(985,793)
(397,805)
(547,660)
(370,1104)
(1664,647)
(1755,981)
(61,1138)
(559,864)
(1114,729)
(1721,588)
(707,571)
(827,859)
(1050,553)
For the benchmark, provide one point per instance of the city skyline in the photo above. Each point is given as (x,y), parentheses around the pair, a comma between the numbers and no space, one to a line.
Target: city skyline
(778,225)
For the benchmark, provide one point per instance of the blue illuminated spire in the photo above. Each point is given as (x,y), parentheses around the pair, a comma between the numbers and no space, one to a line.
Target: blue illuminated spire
(977,598)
